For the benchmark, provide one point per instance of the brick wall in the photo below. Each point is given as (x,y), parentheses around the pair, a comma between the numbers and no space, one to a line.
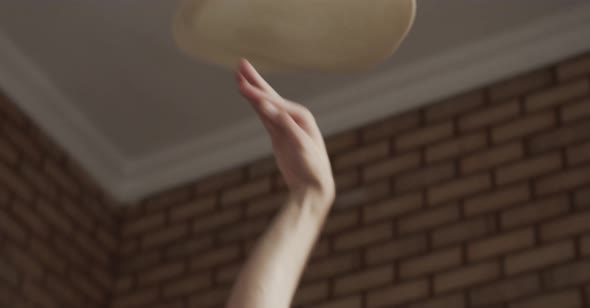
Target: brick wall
(57,231)
(480,200)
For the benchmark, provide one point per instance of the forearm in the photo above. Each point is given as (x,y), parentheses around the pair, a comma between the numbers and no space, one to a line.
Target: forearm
(271,274)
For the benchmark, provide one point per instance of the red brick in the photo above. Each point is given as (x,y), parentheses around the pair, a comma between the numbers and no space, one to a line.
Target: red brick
(446,301)
(391,127)
(161,273)
(492,157)
(567,275)
(243,230)
(522,84)
(104,278)
(22,141)
(398,294)
(362,195)
(54,216)
(15,184)
(528,169)
(423,177)
(341,221)
(331,266)
(139,262)
(391,166)
(497,113)
(40,181)
(23,260)
(366,279)
(164,236)
(463,231)
(396,249)
(128,247)
(61,178)
(11,111)
(363,236)
(557,95)
(563,136)
(459,188)
(565,299)
(192,209)
(576,67)
(212,298)
(564,181)
(70,252)
(4,197)
(142,224)
(48,256)
(585,245)
(525,126)
(139,298)
(266,204)
(87,286)
(466,276)
(346,180)
(342,142)
(216,220)
(89,246)
(168,198)
(455,105)
(361,155)
(578,154)
(246,191)
(123,284)
(187,285)
(9,275)
(432,263)
(311,292)
(321,249)
(576,111)
(567,226)
(8,154)
(38,295)
(456,147)
(64,292)
(501,245)
(424,136)
(12,229)
(215,257)
(107,238)
(348,302)
(497,200)
(79,213)
(540,257)
(504,291)
(427,219)
(393,207)
(228,273)
(534,212)
(216,182)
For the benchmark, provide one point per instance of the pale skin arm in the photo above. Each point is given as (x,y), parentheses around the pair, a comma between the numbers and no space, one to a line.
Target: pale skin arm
(271,274)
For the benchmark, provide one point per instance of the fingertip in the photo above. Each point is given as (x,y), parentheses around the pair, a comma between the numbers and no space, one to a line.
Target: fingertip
(243,66)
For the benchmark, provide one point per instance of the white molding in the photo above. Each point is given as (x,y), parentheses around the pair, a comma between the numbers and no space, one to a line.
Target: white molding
(538,44)
(33,91)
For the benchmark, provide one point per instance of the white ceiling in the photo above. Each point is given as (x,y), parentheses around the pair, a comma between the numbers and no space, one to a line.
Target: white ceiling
(119,86)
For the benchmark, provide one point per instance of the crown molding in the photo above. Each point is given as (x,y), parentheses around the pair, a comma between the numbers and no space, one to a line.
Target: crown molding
(414,85)
(32,90)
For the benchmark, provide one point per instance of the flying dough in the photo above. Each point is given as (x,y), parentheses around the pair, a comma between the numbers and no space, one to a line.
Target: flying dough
(287,35)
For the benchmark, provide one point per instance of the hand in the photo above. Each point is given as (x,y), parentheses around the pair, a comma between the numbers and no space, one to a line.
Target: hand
(297,142)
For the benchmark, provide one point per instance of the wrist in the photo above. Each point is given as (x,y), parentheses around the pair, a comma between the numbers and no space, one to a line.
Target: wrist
(320,200)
